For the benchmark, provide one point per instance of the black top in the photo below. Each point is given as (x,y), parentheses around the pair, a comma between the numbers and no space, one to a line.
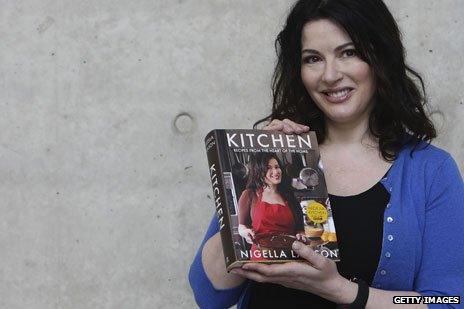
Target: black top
(359,226)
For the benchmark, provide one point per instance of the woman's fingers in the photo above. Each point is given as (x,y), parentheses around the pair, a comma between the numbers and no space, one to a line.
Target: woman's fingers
(256,276)
(273,272)
(287,126)
(293,126)
(301,238)
(316,260)
(263,269)
(287,274)
(304,128)
(298,128)
(275,125)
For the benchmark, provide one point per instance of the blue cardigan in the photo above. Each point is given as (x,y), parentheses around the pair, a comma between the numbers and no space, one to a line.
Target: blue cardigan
(423,241)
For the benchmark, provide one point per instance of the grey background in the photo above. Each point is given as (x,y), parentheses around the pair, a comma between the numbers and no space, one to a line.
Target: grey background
(104,194)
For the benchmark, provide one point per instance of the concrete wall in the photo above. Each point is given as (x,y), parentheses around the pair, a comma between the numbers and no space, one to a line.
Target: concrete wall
(104,105)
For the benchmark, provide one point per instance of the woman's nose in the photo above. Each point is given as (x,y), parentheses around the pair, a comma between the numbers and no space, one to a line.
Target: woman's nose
(331,72)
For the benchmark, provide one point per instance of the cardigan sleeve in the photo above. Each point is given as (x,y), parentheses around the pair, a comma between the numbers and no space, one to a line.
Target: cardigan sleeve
(206,295)
(442,268)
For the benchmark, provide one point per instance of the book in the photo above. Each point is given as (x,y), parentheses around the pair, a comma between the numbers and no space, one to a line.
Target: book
(269,190)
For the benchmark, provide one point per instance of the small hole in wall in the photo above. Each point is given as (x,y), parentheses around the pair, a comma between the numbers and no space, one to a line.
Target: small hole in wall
(184,123)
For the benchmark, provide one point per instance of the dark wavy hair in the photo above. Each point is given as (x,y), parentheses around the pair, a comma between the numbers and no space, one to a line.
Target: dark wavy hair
(398,116)
(257,173)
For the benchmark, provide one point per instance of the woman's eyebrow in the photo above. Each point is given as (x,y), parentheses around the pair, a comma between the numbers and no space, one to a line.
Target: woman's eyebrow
(309,51)
(338,48)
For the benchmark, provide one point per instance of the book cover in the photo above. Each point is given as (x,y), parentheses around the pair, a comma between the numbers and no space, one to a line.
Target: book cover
(269,190)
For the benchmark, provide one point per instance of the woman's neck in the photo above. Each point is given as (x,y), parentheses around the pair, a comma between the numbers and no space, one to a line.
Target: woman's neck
(270,188)
(349,134)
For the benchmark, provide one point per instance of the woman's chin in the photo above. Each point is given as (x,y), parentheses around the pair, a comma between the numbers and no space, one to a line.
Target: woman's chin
(343,117)
(346,113)
(273,183)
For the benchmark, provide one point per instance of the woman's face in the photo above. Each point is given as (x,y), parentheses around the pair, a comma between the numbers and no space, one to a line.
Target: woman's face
(274,173)
(341,84)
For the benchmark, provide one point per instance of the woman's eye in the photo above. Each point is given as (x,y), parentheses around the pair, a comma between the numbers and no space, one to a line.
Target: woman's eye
(310,59)
(349,53)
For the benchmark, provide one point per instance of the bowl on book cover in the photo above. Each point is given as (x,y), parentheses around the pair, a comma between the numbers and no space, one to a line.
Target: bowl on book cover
(274,240)
(313,231)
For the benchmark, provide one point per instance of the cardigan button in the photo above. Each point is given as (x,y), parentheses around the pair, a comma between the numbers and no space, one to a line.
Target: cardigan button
(388,205)
(388,255)
(391,189)
(383,272)
(389,219)
(390,237)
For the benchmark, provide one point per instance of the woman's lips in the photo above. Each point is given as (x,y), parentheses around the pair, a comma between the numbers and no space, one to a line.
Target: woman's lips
(338,96)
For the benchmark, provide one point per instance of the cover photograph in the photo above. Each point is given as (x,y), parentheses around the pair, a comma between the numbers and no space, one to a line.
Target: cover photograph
(269,190)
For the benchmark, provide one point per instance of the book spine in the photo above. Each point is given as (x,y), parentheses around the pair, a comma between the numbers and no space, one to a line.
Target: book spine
(219,196)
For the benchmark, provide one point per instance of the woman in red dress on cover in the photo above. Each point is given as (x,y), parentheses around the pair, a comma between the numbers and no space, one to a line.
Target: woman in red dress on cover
(267,206)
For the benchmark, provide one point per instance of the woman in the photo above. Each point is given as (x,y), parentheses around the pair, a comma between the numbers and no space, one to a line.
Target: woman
(341,71)
(267,206)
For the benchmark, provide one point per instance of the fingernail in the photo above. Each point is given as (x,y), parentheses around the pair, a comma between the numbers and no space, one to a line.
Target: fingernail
(234,271)
(296,245)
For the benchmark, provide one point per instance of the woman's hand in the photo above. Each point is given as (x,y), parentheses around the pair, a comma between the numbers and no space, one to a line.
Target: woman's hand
(319,276)
(287,126)
(246,233)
